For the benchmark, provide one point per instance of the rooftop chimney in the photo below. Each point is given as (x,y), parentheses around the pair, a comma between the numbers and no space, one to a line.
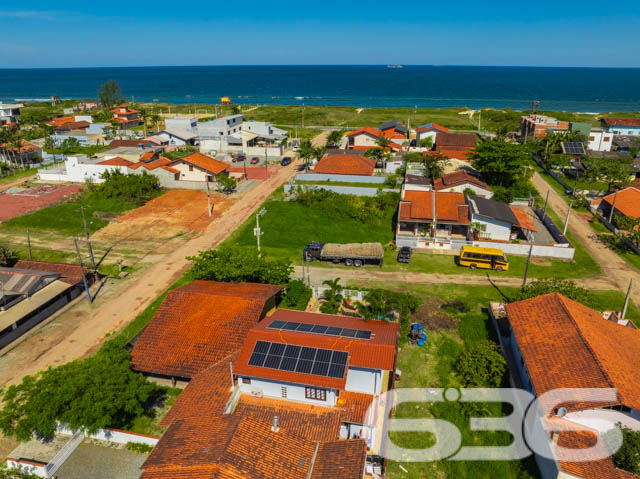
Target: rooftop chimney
(275,427)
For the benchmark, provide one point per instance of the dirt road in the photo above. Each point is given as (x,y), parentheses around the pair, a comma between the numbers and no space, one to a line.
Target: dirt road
(616,273)
(320,274)
(82,329)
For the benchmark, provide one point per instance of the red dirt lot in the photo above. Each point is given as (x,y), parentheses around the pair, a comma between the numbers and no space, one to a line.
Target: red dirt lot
(32,199)
(254,172)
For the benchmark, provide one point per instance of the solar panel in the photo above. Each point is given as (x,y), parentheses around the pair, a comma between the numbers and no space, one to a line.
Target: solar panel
(573,148)
(301,359)
(319,329)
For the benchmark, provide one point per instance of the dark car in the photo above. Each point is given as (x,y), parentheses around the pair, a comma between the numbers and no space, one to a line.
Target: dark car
(239,159)
(404,254)
(255,160)
(286,161)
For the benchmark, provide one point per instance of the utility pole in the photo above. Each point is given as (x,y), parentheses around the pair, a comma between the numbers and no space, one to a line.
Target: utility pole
(526,269)
(266,157)
(303,115)
(86,233)
(566,221)
(29,244)
(626,300)
(84,278)
(209,206)
(613,206)
(256,230)
(546,201)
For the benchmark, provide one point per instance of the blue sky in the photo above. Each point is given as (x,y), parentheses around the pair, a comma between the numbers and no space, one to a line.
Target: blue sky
(128,33)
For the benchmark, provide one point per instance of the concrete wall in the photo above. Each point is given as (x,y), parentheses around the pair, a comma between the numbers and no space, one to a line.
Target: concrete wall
(477,190)
(78,172)
(421,135)
(113,435)
(344,178)
(343,190)
(362,380)
(294,392)
(28,467)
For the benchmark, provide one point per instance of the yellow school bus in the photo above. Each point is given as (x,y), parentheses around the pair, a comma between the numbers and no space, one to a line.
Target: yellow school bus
(484,258)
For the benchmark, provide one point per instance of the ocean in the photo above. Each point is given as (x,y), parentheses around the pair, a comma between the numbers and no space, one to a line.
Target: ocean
(560,89)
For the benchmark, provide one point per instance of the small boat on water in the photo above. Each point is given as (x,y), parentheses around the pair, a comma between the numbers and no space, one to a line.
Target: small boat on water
(395,66)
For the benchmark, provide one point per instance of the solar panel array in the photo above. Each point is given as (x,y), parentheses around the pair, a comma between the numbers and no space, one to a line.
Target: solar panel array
(319,329)
(299,359)
(573,148)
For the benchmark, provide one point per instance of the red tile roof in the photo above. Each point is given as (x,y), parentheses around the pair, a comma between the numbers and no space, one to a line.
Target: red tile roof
(455,141)
(458,154)
(340,459)
(457,178)
(116,161)
(346,165)
(208,393)
(198,325)
(61,120)
(567,345)
(74,125)
(434,126)
(69,273)
(365,129)
(169,169)
(627,201)
(379,352)
(622,121)
(148,156)
(243,446)
(355,406)
(594,469)
(450,207)
(524,221)
(203,162)
(25,147)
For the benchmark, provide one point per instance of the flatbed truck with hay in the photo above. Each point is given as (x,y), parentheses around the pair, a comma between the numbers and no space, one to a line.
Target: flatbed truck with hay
(351,254)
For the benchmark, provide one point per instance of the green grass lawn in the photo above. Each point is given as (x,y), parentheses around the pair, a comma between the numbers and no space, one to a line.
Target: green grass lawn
(347,183)
(65,217)
(16,175)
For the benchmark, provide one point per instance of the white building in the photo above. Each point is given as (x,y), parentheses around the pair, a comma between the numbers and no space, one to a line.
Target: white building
(9,113)
(324,360)
(600,140)
(183,123)
(177,137)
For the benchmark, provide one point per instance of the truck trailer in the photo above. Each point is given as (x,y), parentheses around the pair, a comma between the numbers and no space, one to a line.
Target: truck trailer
(351,254)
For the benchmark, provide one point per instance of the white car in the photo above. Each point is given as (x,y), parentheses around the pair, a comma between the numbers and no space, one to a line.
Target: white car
(295,148)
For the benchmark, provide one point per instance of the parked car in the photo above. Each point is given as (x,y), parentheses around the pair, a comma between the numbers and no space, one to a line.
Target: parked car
(239,159)
(255,160)
(295,148)
(404,254)
(286,161)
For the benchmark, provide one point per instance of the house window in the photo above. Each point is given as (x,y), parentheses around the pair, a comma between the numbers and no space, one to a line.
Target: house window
(246,380)
(591,138)
(283,392)
(315,393)
(607,138)
(190,168)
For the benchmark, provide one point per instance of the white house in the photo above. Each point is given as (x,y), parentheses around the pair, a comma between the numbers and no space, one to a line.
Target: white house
(176,136)
(600,140)
(9,113)
(429,130)
(321,359)
(182,123)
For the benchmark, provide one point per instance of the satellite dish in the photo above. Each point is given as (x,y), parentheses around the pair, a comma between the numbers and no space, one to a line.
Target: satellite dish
(561,412)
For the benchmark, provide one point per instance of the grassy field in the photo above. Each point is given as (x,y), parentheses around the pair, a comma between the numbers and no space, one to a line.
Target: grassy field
(347,183)
(18,174)
(66,218)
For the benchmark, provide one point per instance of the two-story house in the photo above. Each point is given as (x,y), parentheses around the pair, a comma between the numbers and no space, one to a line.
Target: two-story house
(126,117)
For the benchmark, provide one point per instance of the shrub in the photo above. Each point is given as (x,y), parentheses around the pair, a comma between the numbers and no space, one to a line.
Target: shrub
(297,295)
(135,189)
(563,286)
(482,365)
(8,257)
(628,456)
(236,264)
(139,447)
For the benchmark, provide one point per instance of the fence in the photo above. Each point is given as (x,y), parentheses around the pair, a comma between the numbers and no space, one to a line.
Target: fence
(615,231)
(340,178)
(551,227)
(113,435)
(343,190)
(567,189)
(64,453)
(352,294)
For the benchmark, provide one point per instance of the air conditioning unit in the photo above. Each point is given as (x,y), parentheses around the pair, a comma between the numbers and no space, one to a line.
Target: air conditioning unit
(256,393)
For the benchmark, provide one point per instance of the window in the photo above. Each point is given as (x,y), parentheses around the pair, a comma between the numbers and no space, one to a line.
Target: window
(246,380)
(315,393)
(591,138)
(190,168)
(283,392)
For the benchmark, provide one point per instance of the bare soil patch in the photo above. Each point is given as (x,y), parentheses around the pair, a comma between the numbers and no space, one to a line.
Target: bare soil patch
(432,315)
(19,201)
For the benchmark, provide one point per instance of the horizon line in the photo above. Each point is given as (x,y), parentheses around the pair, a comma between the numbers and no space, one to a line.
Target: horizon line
(324,65)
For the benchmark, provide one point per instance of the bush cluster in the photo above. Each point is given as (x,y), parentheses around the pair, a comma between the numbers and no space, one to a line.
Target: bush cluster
(363,209)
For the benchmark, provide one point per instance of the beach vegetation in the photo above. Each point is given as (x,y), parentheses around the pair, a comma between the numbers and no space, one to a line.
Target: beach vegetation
(110,94)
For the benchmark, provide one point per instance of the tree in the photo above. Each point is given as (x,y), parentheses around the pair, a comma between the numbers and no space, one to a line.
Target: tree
(110,94)
(144,114)
(332,297)
(616,173)
(8,257)
(130,188)
(306,152)
(99,391)
(235,109)
(499,163)
(434,165)
(627,457)
(334,137)
(633,151)
(319,152)
(383,141)
(226,183)
(379,154)
(155,119)
(69,145)
(50,144)
(631,228)
(481,365)
(565,287)
(426,143)
(237,264)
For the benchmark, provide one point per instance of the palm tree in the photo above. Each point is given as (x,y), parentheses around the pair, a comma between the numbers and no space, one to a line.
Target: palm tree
(333,296)
(155,119)
(49,144)
(319,152)
(334,137)
(306,152)
(144,114)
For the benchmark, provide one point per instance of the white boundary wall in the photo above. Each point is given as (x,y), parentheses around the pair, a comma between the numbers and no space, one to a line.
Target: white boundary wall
(114,435)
